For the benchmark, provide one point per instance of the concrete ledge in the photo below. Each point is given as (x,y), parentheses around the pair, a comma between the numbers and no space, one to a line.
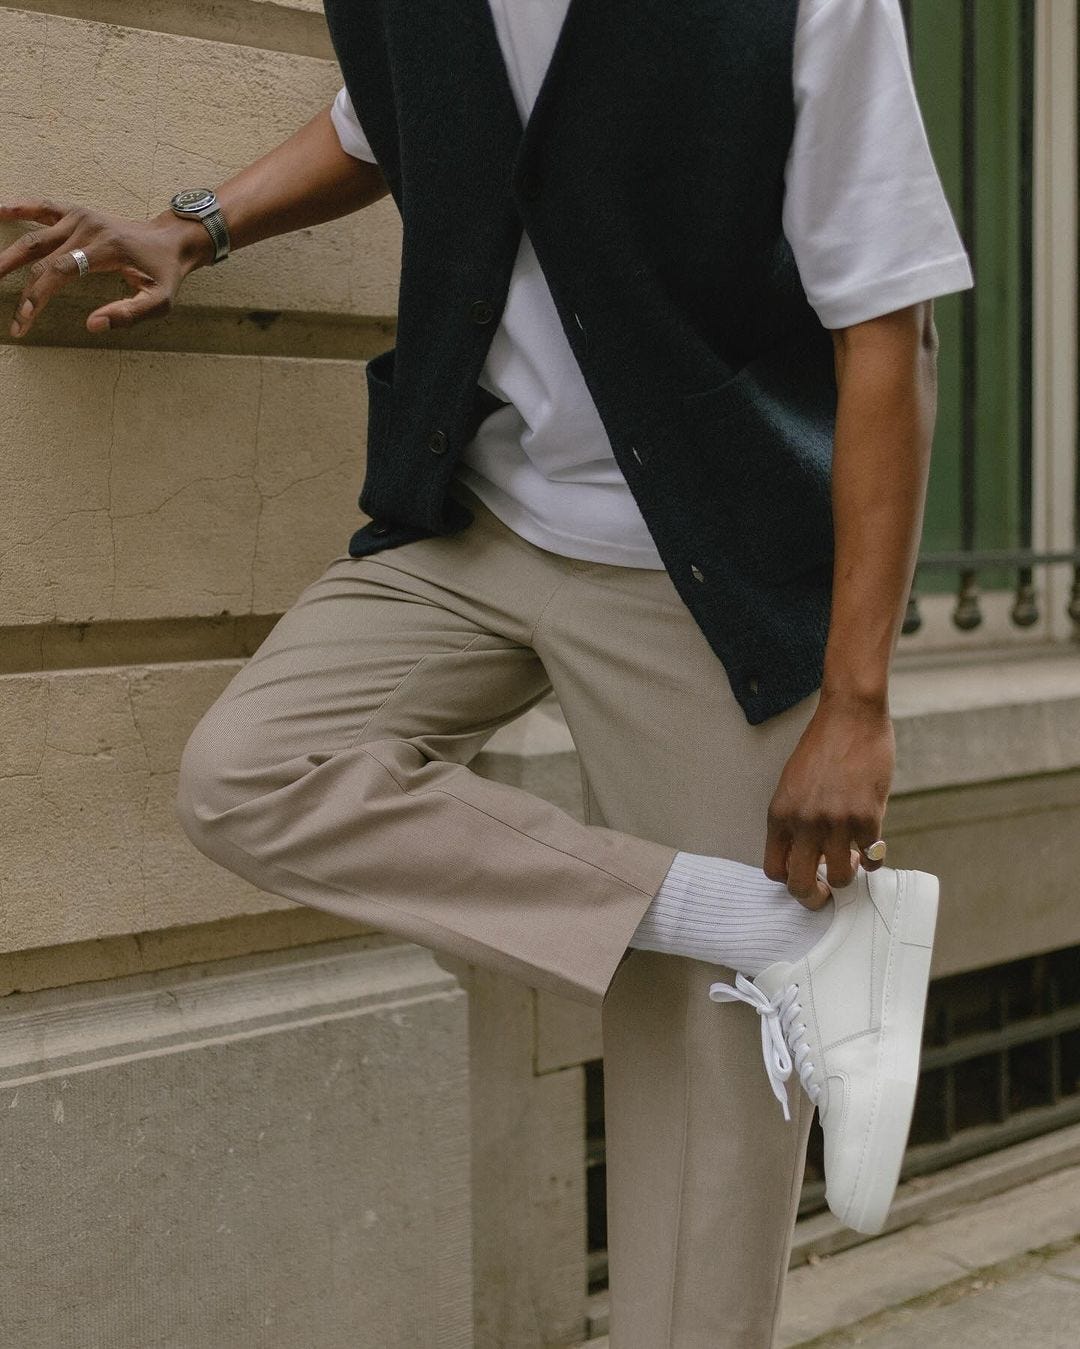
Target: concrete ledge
(297,26)
(84,962)
(271,1151)
(986,718)
(959,720)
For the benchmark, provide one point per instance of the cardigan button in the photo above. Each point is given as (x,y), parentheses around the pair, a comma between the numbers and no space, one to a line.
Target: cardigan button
(437,443)
(481,311)
(637,454)
(379,527)
(753,686)
(696,572)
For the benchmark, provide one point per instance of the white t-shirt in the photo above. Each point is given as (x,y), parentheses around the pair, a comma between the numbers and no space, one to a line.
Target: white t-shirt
(864,212)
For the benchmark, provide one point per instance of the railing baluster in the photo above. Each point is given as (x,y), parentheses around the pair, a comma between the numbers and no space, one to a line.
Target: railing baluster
(912,617)
(1074,598)
(1025,610)
(968,614)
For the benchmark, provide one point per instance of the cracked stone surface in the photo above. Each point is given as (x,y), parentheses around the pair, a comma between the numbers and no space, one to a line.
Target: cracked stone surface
(144,487)
(126,499)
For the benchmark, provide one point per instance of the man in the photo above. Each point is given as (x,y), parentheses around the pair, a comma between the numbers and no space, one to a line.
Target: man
(655,434)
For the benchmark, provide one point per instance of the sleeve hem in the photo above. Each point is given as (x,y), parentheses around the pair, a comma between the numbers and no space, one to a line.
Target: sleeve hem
(944,277)
(349,133)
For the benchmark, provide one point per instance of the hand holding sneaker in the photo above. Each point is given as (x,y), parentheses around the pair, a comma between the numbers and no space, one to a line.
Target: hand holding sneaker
(847,1018)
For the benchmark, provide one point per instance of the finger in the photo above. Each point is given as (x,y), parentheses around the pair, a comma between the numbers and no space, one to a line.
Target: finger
(33,244)
(44,212)
(777,845)
(867,832)
(802,879)
(840,861)
(47,276)
(153,302)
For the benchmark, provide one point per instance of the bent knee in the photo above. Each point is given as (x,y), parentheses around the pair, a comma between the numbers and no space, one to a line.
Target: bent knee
(220,770)
(232,770)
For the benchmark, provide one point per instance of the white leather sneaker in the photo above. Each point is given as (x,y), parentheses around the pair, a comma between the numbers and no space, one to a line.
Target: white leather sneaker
(848,1019)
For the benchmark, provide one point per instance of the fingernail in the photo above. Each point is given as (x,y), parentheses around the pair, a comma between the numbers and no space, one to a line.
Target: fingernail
(26,309)
(16,329)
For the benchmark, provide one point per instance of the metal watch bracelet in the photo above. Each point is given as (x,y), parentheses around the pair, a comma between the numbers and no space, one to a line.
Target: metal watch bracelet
(218,231)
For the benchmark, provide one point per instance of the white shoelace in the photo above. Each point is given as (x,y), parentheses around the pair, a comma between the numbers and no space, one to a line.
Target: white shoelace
(781,1035)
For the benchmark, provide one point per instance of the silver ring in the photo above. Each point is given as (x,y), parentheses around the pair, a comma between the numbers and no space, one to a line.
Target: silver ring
(875,852)
(81,261)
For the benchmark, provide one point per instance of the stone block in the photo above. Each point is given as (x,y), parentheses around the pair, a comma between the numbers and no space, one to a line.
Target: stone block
(270,1152)
(567,1032)
(99,114)
(982,720)
(529,1175)
(141,485)
(90,844)
(557,1205)
(1007,854)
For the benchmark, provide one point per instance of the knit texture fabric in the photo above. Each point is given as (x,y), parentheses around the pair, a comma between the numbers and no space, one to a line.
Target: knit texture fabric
(650,179)
(713,909)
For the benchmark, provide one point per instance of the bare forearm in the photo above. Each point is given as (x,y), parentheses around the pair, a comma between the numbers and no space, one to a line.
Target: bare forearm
(887,377)
(833,791)
(304,181)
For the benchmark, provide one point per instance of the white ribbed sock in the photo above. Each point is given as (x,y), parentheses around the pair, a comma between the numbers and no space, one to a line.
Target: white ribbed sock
(713,909)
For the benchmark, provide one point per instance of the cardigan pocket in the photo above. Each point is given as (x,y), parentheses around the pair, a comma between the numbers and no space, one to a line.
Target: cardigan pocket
(759,449)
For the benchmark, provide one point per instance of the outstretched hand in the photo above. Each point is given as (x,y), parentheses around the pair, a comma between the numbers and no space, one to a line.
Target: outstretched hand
(831,798)
(153,257)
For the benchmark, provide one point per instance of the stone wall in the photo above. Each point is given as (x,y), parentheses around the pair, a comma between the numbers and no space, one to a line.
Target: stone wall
(229,1120)
(233,1120)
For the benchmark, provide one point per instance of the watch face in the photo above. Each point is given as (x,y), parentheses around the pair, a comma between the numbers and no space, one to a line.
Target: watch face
(193,199)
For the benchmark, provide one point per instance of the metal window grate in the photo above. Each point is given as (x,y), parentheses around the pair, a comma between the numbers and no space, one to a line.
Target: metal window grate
(1000,1063)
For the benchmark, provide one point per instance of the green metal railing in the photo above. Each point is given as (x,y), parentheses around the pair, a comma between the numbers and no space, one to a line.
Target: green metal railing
(975,68)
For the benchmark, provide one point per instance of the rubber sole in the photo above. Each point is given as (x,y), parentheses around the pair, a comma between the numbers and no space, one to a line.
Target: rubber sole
(906,985)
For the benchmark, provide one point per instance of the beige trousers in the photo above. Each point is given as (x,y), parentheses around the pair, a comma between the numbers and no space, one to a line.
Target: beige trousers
(333,770)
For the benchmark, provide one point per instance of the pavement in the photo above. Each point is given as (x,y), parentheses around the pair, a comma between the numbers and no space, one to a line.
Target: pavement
(1031,1302)
(997,1271)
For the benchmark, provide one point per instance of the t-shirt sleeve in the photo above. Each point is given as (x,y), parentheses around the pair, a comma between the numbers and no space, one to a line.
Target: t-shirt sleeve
(864,209)
(348,128)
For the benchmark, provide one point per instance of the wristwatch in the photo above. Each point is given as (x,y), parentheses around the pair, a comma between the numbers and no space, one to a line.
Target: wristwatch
(201,203)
